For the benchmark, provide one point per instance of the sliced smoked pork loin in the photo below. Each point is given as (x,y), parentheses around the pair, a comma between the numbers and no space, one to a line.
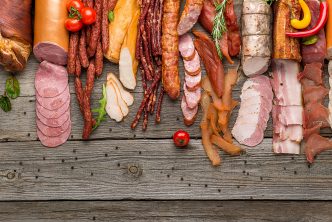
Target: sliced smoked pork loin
(256,105)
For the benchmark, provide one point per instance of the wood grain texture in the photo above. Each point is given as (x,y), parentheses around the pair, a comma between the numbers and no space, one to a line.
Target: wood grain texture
(155,169)
(191,211)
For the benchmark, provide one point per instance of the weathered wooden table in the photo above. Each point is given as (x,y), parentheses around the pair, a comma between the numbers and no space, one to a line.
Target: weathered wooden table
(121,175)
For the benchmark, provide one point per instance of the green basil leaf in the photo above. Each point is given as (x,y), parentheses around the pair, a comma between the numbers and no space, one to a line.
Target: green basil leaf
(12,87)
(310,40)
(5,104)
(111,16)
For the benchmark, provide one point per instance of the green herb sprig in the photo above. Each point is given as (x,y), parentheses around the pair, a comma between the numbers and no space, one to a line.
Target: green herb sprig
(219,25)
(101,110)
(12,91)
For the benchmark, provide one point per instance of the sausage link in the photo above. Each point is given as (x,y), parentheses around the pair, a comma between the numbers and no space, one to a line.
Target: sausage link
(78,68)
(99,60)
(96,29)
(72,52)
(82,50)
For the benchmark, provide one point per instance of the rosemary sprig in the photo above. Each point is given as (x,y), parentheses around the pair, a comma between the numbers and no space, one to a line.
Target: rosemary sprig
(270,1)
(219,25)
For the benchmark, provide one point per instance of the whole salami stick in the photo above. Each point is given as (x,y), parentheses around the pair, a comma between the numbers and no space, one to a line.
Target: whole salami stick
(72,52)
(99,58)
(104,26)
(82,49)
(96,29)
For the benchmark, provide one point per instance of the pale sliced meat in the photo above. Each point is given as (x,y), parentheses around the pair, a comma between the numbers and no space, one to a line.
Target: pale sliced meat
(257,45)
(126,96)
(290,115)
(286,86)
(54,103)
(256,7)
(189,115)
(57,122)
(50,80)
(112,107)
(122,104)
(192,97)
(192,82)
(186,46)
(256,24)
(193,66)
(54,114)
(54,141)
(253,66)
(285,146)
(52,131)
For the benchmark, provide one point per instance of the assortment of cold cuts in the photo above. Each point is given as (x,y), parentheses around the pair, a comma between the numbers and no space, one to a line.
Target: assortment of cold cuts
(151,35)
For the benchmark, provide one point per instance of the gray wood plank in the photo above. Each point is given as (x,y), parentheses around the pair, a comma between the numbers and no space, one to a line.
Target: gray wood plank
(244,211)
(155,169)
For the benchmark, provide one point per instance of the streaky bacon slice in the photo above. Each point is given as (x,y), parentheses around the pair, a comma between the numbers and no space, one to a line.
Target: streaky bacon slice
(315,145)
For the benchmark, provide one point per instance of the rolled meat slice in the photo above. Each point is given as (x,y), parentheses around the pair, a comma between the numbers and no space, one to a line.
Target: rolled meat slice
(15,34)
(50,80)
(54,103)
(51,38)
(52,142)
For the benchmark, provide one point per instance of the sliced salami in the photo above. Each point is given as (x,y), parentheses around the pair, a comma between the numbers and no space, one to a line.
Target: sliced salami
(53,131)
(54,141)
(54,122)
(52,114)
(194,65)
(51,80)
(189,115)
(192,97)
(54,103)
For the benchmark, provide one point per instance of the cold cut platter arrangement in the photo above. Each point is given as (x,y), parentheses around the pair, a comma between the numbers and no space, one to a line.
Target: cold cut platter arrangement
(283,47)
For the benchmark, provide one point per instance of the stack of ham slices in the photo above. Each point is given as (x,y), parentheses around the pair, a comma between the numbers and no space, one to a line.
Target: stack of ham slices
(256,105)
(192,82)
(52,104)
(287,111)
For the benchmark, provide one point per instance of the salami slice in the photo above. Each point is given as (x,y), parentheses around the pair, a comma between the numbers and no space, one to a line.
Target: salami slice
(54,103)
(52,131)
(54,141)
(193,65)
(186,47)
(52,114)
(189,115)
(54,122)
(51,80)
(193,82)
(192,97)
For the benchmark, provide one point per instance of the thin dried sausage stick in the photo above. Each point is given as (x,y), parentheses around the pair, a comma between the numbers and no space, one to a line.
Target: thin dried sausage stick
(96,29)
(99,60)
(82,50)
(72,52)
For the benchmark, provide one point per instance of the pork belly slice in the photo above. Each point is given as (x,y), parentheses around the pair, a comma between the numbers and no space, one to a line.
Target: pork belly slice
(285,84)
(256,104)
(285,146)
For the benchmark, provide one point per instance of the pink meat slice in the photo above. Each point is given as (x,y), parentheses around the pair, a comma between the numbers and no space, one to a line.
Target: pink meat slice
(188,113)
(285,146)
(52,142)
(52,114)
(50,80)
(186,46)
(54,122)
(192,81)
(52,131)
(192,97)
(49,51)
(290,115)
(53,103)
(192,65)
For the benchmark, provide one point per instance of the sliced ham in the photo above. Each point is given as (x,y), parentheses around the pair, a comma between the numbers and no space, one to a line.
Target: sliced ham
(52,142)
(53,131)
(50,80)
(54,122)
(54,114)
(54,103)
(189,115)
(256,105)
(186,47)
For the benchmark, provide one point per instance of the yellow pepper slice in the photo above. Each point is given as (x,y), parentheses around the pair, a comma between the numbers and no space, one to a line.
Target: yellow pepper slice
(305,21)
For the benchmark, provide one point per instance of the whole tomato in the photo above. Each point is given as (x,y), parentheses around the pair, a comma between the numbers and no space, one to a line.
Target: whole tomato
(73,24)
(88,15)
(76,4)
(181,138)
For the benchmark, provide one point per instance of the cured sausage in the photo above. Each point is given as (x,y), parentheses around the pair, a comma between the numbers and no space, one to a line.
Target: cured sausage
(15,34)
(190,15)
(51,38)
(170,48)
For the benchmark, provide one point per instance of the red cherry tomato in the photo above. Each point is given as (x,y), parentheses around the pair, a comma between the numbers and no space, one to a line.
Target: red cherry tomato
(76,4)
(181,138)
(88,15)
(73,24)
